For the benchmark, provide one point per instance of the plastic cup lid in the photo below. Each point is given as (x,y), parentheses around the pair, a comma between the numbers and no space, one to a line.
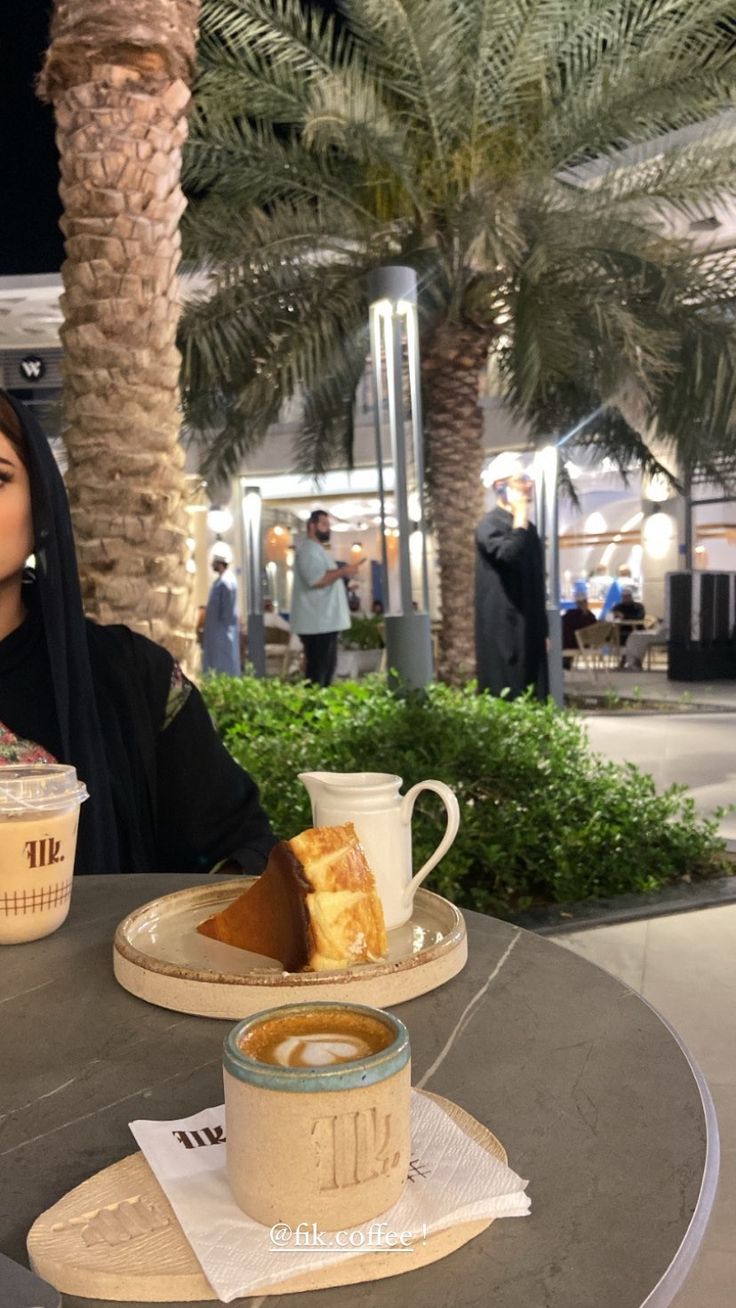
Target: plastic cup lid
(39,788)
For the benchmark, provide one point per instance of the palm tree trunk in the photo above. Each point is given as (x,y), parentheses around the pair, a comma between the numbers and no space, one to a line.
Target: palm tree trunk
(118,76)
(452,364)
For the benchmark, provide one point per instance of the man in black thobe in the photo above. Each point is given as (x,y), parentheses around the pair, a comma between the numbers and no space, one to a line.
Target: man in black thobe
(510,602)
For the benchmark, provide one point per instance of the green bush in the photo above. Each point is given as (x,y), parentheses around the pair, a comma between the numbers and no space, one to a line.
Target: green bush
(543,819)
(363,633)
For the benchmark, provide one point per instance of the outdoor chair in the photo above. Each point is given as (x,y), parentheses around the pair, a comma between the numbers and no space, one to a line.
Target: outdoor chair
(598,645)
(278,652)
(658,650)
(657,654)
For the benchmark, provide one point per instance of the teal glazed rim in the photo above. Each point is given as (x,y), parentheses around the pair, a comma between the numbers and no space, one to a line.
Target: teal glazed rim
(367,1071)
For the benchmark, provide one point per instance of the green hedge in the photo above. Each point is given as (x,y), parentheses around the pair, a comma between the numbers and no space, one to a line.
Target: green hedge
(363,633)
(543,819)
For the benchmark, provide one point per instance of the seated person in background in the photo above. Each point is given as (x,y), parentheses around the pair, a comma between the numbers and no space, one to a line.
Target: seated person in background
(628,609)
(639,642)
(271,618)
(573,620)
(165,795)
(614,595)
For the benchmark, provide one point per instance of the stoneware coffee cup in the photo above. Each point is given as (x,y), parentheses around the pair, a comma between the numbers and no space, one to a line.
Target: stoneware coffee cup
(39,816)
(326,1144)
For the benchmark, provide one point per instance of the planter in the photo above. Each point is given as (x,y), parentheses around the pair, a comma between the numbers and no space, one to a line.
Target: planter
(682,897)
(354,663)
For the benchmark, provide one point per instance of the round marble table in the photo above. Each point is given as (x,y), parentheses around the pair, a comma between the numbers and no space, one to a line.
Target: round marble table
(589,1090)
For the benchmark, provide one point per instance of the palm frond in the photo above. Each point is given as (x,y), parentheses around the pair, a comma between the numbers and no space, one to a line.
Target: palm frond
(413,46)
(254,344)
(600,426)
(251,165)
(239,83)
(346,114)
(216,233)
(326,435)
(286,34)
(501,147)
(636,72)
(686,181)
(480,22)
(696,407)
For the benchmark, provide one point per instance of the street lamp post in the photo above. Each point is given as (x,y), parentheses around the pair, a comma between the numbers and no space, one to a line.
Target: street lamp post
(546,470)
(251,528)
(394,331)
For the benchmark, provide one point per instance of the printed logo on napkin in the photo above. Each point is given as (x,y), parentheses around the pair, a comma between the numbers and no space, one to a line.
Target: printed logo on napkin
(451,1179)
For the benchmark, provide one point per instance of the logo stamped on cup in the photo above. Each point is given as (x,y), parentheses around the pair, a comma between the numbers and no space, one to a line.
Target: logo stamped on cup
(353,1148)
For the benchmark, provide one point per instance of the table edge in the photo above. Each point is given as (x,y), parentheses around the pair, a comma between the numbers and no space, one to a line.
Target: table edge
(663,1294)
(674,1276)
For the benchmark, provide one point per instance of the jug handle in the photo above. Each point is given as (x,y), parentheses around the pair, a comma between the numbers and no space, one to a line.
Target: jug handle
(453,822)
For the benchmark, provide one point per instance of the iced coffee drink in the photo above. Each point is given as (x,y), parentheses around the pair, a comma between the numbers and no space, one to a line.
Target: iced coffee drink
(39,816)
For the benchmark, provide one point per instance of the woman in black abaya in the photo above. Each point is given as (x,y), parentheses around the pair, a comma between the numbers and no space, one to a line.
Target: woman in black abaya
(165,795)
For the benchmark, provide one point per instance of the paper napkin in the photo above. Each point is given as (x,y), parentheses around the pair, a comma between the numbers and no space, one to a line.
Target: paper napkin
(451,1179)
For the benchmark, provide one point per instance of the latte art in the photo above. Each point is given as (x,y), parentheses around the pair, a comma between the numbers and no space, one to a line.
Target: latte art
(320,1049)
(322,1037)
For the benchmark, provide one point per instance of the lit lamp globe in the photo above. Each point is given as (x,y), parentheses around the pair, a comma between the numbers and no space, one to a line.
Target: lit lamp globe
(658,534)
(219,521)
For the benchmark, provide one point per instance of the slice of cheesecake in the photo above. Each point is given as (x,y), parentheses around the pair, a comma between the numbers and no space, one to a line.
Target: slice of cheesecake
(314,908)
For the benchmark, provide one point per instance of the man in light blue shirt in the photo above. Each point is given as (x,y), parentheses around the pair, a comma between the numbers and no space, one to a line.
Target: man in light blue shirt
(319,602)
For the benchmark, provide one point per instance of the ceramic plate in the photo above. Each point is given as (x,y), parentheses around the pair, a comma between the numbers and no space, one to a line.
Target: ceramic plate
(160,956)
(84,1246)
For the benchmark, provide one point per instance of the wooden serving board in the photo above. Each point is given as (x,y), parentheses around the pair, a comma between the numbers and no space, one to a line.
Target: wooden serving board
(116,1237)
(159,956)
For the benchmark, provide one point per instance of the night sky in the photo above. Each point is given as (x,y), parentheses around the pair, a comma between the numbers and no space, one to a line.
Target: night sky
(30,240)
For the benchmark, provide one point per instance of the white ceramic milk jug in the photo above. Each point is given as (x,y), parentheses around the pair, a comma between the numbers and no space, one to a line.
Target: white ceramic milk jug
(382,820)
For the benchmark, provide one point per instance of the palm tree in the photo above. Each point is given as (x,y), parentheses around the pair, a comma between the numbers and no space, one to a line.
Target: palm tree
(482,142)
(118,76)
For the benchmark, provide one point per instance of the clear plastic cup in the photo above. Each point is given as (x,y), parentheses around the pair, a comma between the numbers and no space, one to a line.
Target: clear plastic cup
(39,817)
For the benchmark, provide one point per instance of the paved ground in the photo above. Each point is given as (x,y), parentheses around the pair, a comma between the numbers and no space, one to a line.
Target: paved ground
(684,964)
(653,685)
(695,750)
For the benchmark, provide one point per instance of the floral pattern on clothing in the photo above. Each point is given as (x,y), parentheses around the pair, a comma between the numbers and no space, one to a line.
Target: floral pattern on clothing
(13,749)
(179,691)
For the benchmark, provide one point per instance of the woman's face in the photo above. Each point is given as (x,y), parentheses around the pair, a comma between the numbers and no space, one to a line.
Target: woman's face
(16,528)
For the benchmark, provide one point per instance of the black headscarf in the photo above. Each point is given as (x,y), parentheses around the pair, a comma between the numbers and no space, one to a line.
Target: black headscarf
(66,633)
(165,794)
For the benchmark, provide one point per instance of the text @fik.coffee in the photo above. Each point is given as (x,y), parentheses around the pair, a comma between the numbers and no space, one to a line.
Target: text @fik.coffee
(379,1237)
